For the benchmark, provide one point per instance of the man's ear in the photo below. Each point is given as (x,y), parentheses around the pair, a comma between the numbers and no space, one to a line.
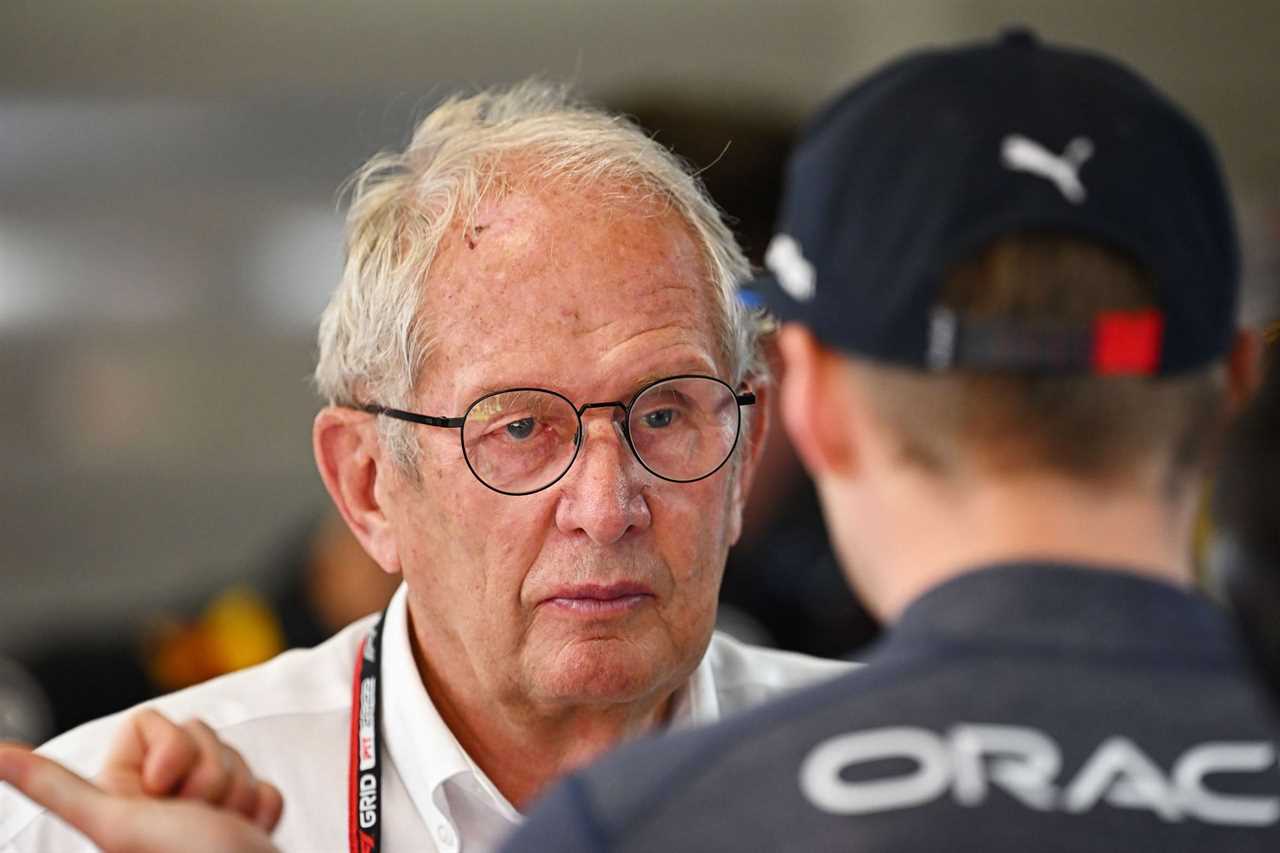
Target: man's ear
(752,442)
(350,460)
(815,403)
(1244,369)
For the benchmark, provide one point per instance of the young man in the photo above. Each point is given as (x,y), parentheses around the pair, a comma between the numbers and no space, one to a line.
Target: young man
(1010,277)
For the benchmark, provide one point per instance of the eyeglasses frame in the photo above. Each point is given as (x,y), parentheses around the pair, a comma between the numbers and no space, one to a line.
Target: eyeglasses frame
(742,398)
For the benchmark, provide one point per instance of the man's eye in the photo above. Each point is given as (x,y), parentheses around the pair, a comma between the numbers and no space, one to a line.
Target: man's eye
(659,418)
(520,429)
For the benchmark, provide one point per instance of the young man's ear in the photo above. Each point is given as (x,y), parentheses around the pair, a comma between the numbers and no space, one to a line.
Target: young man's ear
(349,457)
(1244,369)
(815,402)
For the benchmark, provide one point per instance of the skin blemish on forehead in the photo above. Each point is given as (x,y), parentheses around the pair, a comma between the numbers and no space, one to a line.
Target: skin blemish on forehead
(472,235)
(566,289)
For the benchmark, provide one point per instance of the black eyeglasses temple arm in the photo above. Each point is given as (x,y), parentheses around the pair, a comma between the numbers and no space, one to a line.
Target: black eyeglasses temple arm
(746,398)
(412,417)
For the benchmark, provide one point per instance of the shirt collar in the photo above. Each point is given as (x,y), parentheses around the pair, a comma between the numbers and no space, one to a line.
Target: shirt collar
(1085,607)
(428,756)
(697,701)
(425,752)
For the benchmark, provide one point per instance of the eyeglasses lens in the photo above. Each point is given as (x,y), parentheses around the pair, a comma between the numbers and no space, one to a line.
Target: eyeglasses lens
(683,429)
(519,441)
(522,441)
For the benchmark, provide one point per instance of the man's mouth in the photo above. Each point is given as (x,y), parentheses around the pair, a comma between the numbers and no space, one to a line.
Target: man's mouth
(600,599)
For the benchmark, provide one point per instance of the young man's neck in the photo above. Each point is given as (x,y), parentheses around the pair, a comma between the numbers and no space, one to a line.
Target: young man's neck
(928,536)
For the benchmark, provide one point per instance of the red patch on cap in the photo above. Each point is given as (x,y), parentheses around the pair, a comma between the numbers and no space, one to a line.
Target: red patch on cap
(1127,342)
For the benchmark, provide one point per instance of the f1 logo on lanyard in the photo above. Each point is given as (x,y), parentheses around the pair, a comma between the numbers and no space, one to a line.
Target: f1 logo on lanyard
(364,802)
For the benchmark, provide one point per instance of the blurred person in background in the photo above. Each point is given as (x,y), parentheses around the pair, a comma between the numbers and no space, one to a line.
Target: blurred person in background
(542,415)
(25,716)
(316,582)
(1241,540)
(1009,277)
(1244,555)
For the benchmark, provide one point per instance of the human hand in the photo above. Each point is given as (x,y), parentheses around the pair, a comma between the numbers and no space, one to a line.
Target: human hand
(120,823)
(154,757)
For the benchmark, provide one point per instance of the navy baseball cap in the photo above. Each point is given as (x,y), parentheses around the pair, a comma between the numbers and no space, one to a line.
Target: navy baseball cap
(933,157)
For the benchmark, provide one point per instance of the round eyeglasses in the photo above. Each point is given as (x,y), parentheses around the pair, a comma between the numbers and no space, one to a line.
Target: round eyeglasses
(523,440)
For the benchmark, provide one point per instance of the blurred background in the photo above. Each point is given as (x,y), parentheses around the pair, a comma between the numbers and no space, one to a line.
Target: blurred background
(169,232)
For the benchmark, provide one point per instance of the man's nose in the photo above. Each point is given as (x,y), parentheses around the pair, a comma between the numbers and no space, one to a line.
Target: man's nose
(602,495)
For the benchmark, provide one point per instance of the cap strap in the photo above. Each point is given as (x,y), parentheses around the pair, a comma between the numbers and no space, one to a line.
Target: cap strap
(1118,343)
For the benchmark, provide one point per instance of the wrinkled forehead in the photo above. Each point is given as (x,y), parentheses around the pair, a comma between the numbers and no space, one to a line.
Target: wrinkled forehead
(562,275)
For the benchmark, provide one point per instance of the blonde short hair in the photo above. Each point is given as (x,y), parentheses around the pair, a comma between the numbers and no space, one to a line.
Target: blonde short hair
(1089,427)
(374,340)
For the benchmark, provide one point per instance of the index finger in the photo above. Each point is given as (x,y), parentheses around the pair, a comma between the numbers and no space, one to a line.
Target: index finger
(49,784)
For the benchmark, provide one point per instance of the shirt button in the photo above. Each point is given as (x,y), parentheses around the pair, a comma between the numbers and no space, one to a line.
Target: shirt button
(446,836)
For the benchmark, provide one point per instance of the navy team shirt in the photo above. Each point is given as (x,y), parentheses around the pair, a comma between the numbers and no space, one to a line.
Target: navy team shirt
(1018,707)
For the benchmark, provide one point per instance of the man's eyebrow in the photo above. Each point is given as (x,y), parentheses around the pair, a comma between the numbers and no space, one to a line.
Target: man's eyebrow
(488,388)
(683,368)
(650,378)
(688,370)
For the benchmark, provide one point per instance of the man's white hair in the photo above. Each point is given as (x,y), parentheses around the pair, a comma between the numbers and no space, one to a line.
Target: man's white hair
(375,341)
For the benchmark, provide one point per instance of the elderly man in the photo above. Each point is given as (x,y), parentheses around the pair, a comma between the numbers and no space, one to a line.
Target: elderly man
(541,414)
(1010,273)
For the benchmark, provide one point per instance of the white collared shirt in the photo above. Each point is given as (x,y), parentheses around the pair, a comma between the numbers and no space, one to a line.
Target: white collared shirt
(290,718)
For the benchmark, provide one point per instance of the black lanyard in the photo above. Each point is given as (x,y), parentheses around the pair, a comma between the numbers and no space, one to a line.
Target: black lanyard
(364,803)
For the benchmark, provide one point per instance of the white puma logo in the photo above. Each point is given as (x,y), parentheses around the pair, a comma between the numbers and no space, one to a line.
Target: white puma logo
(1026,155)
(793,270)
